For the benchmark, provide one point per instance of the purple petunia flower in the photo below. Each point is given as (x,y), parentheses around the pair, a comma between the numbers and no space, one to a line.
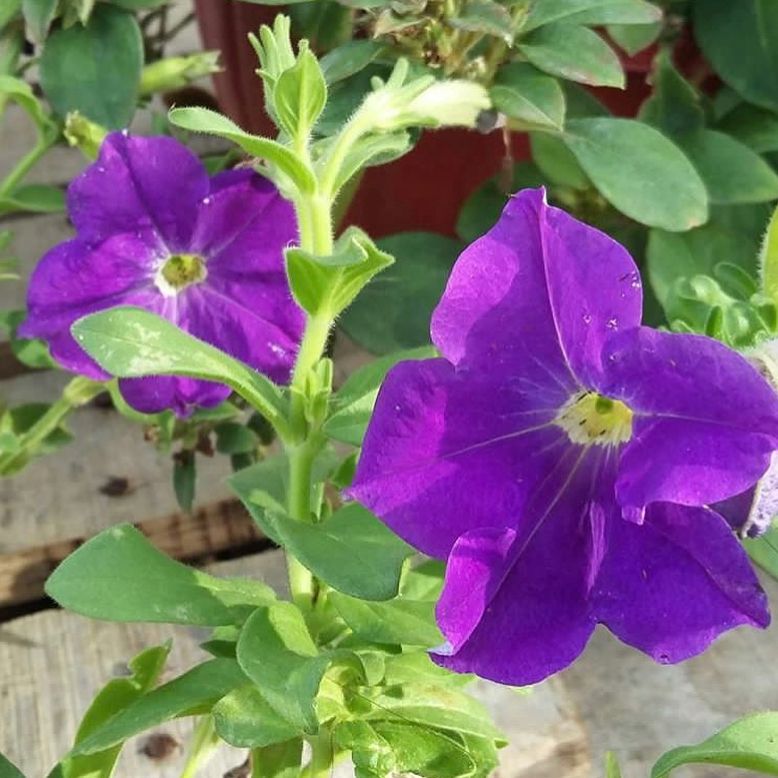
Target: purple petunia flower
(561,457)
(153,231)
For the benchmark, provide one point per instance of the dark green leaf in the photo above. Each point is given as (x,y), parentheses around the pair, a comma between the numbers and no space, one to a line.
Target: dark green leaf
(483,207)
(639,171)
(353,405)
(349,58)
(740,39)
(195,692)
(634,38)
(7,770)
(281,760)
(95,69)
(485,16)
(114,697)
(325,23)
(750,743)
(212,123)
(532,100)
(120,576)
(754,126)
(393,313)
(573,52)
(132,342)
(675,106)
(593,12)
(556,162)
(399,621)
(245,719)
(185,479)
(34,198)
(234,438)
(732,172)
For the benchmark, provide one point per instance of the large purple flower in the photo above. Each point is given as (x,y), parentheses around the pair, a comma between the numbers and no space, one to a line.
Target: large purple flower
(154,231)
(561,457)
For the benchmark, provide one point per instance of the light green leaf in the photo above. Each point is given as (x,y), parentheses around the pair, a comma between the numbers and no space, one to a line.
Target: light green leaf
(349,58)
(330,284)
(300,94)
(213,123)
(731,171)
(528,97)
(393,313)
(556,162)
(399,622)
(639,171)
(370,150)
(764,550)
(353,405)
(114,697)
(612,769)
(768,259)
(193,693)
(634,38)
(132,342)
(575,53)
(245,719)
(485,16)
(7,770)
(592,12)
(740,40)
(749,743)
(120,576)
(95,69)
(21,92)
(38,16)
(34,198)
(9,9)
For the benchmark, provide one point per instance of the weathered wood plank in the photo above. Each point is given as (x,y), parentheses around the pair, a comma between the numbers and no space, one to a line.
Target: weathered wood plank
(52,663)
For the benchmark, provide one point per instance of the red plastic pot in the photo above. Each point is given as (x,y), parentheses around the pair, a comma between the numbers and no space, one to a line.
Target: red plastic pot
(425,189)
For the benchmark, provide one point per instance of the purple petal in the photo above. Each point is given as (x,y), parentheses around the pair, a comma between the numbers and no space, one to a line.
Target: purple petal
(446,452)
(528,615)
(705,420)
(182,395)
(536,297)
(673,584)
(73,280)
(149,187)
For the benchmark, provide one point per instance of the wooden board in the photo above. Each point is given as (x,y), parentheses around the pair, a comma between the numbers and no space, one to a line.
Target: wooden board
(51,663)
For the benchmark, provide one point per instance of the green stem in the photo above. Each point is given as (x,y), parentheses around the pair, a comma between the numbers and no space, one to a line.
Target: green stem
(204,743)
(78,392)
(322,755)
(25,164)
(350,135)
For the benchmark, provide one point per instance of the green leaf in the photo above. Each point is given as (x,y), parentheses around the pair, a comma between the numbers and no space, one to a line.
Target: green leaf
(193,693)
(593,12)
(483,207)
(394,312)
(740,40)
(34,198)
(95,69)
(7,770)
(353,405)
(349,58)
(749,743)
(300,94)
(21,92)
(132,342)
(675,106)
(764,550)
(370,150)
(768,259)
(634,38)
(485,16)
(325,24)
(529,98)
(114,697)
(754,126)
(234,438)
(38,16)
(731,171)
(213,123)
(277,653)
(639,171)
(245,719)
(612,769)
(281,760)
(10,9)
(120,576)
(397,622)
(330,284)
(185,479)
(573,52)
(556,162)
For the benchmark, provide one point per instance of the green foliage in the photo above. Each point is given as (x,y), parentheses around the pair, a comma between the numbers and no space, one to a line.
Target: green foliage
(120,576)
(7,770)
(749,743)
(95,69)
(764,550)
(394,312)
(592,12)
(529,98)
(612,769)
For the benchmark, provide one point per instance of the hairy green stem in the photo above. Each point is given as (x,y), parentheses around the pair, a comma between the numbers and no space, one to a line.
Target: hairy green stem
(204,743)
(25,164)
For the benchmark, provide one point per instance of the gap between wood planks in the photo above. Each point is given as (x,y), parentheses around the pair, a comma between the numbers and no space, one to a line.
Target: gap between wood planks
(220,530)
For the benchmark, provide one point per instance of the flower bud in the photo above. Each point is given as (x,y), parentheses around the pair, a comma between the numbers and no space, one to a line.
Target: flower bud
(175,72)
(84,134)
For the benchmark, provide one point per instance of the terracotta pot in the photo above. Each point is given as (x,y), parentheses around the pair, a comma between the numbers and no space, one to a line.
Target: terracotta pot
(425,189)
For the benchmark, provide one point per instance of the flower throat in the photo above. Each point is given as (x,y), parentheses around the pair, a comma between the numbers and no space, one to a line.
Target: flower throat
(180,271)
(592,419)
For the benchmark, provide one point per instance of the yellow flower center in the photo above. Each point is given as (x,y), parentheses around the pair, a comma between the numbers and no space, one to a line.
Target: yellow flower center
(180,271)
(591,419)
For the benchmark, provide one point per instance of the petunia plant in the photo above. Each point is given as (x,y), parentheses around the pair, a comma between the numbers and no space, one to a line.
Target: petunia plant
(470,508)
